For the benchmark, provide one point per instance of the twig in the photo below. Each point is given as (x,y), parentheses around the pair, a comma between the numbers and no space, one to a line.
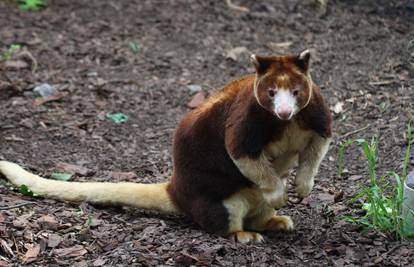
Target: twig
(353,132)
(16,245)
(385,254)
(184,253)
(236,7)
(16,206)
(121,220)
(391,250)
(121,81)
(6,247)
(26,53)
(14,138)
(4,259)
(379,83)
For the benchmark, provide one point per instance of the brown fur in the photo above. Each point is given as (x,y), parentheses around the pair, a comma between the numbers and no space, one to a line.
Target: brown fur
(231,154)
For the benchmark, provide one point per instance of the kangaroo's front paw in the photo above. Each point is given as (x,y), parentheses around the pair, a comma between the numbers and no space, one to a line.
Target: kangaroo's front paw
(304,188)
(247,237)
(279,223)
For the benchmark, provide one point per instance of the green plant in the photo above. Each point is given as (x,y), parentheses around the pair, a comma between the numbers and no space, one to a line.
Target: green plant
(31,5)
(408,150)
(8,54)
(118,117)
(382,200)
(24,189)
(134,46)
(341,156)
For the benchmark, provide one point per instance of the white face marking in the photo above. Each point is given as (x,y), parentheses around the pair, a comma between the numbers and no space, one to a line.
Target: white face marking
(285,105)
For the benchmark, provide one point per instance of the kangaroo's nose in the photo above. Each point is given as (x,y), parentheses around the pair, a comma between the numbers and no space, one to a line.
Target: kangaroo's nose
(284,112)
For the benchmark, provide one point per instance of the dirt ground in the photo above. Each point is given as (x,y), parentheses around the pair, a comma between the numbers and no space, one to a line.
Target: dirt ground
(363,60)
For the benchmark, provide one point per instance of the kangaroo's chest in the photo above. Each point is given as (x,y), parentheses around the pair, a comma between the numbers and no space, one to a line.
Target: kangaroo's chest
(294,139)
(283,152)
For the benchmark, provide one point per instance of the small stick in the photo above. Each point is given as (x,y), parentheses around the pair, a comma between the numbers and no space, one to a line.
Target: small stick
(236,7)
(27,54)
(16,206)
(385,254)
(353,132)
(184,253)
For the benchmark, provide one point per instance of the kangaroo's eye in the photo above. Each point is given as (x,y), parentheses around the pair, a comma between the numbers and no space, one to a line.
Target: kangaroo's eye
(271,92)
(296,92)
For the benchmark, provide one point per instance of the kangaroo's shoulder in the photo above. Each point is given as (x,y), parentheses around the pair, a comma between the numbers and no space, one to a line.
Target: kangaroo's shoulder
(316,115)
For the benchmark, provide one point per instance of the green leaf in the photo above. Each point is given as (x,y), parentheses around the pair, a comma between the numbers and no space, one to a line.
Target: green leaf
(26,191)
(134,47)
(61,176)
(10,52)
(360,141)
(28,5)
(118,117)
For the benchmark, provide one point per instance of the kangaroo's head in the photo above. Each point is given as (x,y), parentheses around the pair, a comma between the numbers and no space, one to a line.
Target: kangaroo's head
(283,84)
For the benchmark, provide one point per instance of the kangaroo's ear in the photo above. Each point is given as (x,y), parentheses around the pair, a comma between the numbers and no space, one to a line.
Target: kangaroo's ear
(303,61)
(261,64)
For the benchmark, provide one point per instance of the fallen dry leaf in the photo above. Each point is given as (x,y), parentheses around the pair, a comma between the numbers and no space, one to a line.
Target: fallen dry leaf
(32,252)
(337,208)
(4,264)
(325,197)
(318,199)
(53,240)
(70,252)
(20,222)
(99,262)
(41,100)
(15,64)
(74,169)
(48,222)
(197,100)
(338,196)
(123,175)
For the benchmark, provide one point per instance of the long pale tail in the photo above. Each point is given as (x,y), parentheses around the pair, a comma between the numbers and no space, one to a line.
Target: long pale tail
(145,196)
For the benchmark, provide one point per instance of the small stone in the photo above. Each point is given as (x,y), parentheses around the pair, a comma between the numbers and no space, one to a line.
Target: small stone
(194,87)
(236,52)
(45,90)
(338,108)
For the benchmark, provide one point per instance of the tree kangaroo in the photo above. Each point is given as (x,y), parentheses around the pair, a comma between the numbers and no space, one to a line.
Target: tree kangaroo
(231,155)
